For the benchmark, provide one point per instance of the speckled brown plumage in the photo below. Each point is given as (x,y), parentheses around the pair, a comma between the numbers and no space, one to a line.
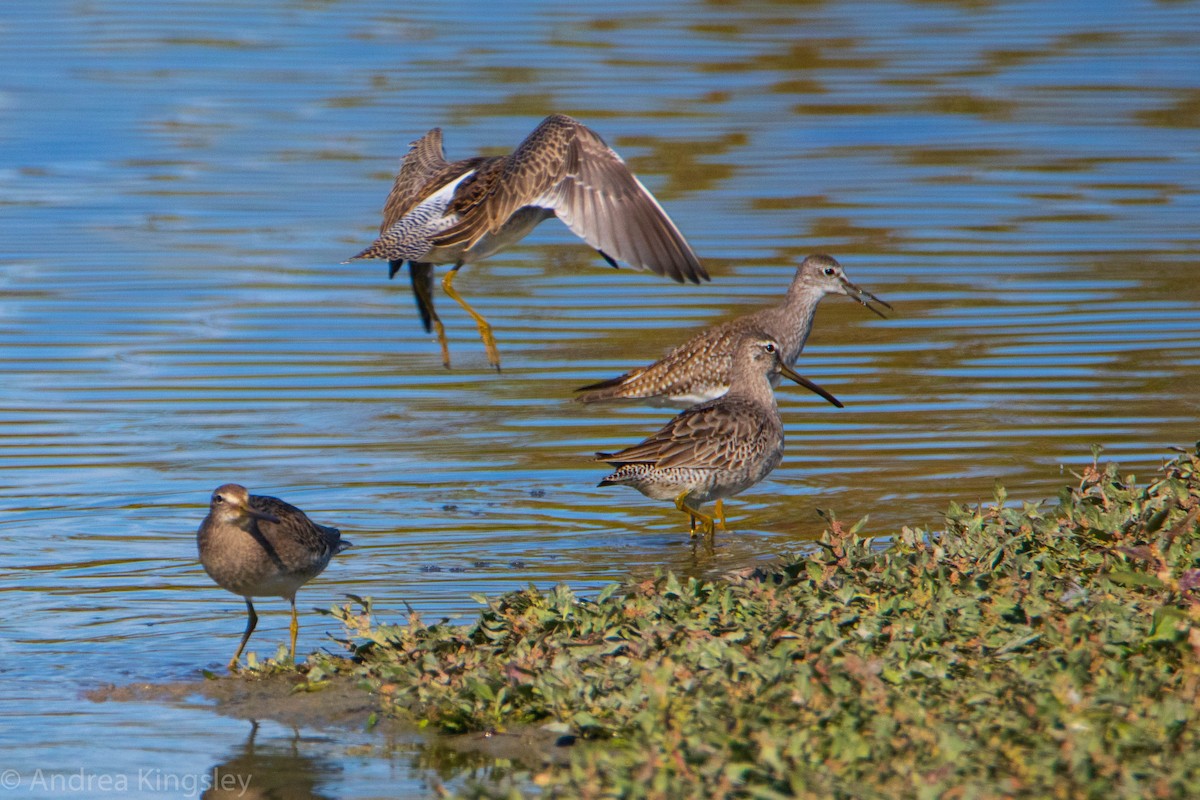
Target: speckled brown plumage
(716,449)
(441,212)
(700,368)
(259,546)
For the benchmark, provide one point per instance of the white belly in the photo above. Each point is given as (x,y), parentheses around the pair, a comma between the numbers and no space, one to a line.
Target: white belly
(519,226)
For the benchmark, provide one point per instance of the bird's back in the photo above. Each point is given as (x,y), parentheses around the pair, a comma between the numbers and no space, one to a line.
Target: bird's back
(302,546)
(694,372)
(713,450)
(705,436)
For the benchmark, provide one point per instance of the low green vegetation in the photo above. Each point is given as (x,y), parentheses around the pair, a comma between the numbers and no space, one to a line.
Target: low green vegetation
(1048,652)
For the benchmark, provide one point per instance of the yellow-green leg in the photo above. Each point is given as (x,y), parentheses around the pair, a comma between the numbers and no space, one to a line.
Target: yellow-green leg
(708,526)
(485,329)
(441,334)
(251,622)
(719,513)
(295,629)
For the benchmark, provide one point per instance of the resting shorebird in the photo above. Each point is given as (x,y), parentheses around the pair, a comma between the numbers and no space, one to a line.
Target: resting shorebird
(441,212)
(257,546)
(717,449)
(700,369)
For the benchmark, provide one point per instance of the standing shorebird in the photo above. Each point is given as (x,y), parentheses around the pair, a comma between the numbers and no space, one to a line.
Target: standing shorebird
(717,449)
(701,368)
(258,546)
(442,212)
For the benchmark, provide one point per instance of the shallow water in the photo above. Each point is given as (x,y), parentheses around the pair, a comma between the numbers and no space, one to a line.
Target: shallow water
(180,183)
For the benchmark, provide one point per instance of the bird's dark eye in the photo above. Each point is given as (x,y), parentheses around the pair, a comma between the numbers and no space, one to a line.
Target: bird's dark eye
(830,271)
(218,499)
(769,347)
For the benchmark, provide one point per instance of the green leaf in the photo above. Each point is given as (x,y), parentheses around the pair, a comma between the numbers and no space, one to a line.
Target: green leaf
(607,592)
(1169,624)
(1130,579)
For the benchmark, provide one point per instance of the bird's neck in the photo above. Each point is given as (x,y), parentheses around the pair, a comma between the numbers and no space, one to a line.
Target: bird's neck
(750,382)
(796,320)
(225,533)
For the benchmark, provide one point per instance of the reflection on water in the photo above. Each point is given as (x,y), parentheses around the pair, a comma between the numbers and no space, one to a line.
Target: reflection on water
(180,183)
(281,771)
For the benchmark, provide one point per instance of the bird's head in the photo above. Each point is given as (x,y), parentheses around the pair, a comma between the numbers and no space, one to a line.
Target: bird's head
(231,503)
(822,275)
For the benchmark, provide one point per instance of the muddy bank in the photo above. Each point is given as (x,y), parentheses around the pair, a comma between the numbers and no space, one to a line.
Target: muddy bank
(338,703)
(342,703)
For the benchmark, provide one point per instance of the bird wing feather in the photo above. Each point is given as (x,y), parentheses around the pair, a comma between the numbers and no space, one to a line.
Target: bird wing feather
(415,180)
(294,525)
(604,204)
(703,436)
(705,358)
(566,167)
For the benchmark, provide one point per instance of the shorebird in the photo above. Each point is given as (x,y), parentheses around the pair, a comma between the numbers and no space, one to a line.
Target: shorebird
(717,449)
(442,212)
(700,369)
(258,546)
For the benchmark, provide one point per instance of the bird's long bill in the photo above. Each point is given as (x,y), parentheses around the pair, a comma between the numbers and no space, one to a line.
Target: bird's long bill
(856,292)
(796,377)
(263,515)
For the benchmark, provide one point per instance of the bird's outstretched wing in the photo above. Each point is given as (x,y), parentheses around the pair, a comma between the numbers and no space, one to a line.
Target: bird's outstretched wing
(566,167)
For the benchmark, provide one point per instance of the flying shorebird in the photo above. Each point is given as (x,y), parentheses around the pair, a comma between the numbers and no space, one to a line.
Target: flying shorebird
(716,449)
(442,212)
(700,368)
(258,546)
